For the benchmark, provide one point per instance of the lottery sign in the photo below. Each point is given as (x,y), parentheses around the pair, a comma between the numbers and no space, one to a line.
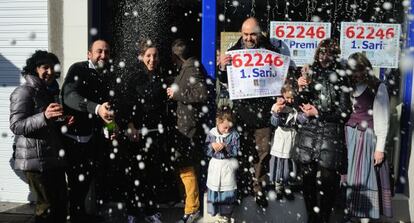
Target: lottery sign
(256,73)
(378,41)
(299,39)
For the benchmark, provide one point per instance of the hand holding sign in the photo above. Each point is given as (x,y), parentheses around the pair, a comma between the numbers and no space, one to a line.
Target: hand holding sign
(224,61)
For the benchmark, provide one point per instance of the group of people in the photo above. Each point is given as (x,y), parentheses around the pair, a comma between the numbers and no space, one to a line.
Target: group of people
(66,140)
(330,126)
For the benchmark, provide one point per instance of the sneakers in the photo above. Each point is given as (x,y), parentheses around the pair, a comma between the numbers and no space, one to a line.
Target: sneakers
(156,218)
(260,199)
(190,218)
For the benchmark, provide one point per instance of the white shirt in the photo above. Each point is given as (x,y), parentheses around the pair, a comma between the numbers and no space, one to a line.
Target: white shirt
(92,66)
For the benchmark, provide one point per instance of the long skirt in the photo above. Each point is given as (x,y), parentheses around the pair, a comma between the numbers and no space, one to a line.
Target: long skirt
(282,170)
(369,190)
(221,203)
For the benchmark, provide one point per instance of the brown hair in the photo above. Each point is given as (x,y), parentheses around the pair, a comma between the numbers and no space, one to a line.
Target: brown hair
(288,88)
(362,63)
(328,45)
(224,113)
(144,45)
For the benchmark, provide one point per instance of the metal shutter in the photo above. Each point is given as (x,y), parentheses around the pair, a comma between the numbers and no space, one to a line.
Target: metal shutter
(23,29)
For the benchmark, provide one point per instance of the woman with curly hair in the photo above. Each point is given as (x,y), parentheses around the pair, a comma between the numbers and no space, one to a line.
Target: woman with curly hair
(33,120)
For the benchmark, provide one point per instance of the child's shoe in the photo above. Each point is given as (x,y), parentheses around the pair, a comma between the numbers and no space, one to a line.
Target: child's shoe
(279,191)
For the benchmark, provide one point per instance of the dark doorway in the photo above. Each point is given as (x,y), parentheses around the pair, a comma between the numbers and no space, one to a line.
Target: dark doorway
(124,22)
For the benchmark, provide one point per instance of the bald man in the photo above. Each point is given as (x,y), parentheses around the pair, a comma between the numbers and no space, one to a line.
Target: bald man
(253,116)
(85,94)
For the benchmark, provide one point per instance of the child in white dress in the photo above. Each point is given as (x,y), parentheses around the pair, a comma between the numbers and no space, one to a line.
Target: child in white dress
(282,167)
(222,145)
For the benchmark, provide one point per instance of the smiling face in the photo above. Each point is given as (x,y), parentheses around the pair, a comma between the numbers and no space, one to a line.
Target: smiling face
(250,33)
(99,53)
(150,58)
(46,73)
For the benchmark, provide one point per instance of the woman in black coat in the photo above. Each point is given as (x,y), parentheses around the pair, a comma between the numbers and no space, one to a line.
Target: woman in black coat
(140,113)
(320,143)
(38,148)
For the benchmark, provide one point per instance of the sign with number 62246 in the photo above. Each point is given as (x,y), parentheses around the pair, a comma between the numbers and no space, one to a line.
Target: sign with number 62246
(299,40)
(256,73)
(380,42)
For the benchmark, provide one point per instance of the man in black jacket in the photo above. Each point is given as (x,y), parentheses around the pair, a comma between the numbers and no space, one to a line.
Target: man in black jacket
(85,94)
(253,116)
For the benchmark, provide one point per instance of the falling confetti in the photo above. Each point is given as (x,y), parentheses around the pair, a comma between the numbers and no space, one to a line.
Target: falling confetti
(174,29)
(93,31)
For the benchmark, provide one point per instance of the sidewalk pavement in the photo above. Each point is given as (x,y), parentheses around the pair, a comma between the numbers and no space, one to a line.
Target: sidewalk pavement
(282,211)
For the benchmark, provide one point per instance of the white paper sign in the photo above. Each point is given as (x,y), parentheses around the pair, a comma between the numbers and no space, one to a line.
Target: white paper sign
(299,39)
(256,73)
(378,41)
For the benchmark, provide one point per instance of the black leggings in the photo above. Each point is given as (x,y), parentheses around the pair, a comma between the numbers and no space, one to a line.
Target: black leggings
(317,179)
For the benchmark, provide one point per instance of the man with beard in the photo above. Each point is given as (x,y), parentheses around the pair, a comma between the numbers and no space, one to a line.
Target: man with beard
(252,117)
(85,96)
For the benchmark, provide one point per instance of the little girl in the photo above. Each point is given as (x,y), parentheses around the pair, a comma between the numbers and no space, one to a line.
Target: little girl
(222,145)
(282,168)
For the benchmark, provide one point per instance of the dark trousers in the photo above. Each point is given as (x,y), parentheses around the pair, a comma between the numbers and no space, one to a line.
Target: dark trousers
(142,173)
(254,143)
(80,172)
(51,192)
(320,187)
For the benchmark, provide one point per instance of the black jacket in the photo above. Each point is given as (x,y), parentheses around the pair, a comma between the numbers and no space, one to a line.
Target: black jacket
(322,138)
(83,89)
(253,112)
(37,140)
(140,98)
